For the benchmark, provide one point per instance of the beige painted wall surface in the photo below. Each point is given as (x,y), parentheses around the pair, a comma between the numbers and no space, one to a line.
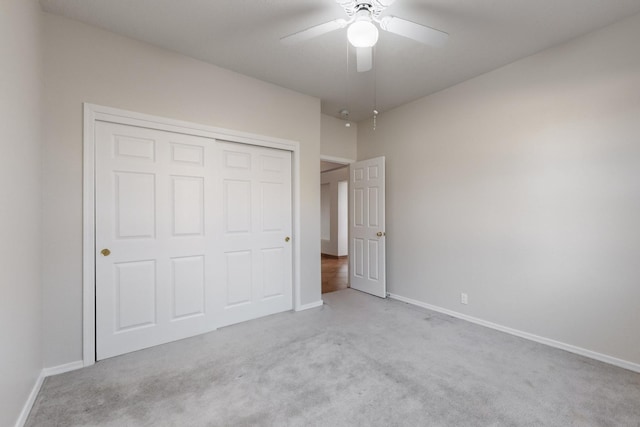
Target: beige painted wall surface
(20,205)
(86,64)
(338,141)
(522,188)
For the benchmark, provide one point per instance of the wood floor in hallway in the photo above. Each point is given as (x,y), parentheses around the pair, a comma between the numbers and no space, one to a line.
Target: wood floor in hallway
(335,273)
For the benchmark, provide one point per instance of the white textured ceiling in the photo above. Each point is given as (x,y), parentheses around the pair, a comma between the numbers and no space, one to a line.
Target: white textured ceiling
(243,35)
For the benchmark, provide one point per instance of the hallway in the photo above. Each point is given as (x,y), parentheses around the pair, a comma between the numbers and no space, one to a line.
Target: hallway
(335,273)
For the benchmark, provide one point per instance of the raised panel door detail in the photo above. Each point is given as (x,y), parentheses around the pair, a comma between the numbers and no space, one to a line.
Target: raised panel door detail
(188,205)
(373,260)
(271,206)
(135,295)
(358,257)
(358,211)
(135,205)
(238,277)
(128,146)
(190,154)
(373,207)
(237,160)
(273,267)
(272,164)
(373,172)
(358,174)
(187,281)
(237,206)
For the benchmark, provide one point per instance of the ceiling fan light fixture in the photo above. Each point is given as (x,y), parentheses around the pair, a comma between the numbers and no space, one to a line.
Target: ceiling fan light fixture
(362,34)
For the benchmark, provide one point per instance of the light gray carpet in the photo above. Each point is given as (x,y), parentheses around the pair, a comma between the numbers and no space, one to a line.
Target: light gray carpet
(356,361)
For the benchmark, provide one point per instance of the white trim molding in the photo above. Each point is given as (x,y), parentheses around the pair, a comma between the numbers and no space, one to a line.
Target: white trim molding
(526,335)
(28,405)
(94,113)
(310,305)
(61,369)
(46,372)
(342,160)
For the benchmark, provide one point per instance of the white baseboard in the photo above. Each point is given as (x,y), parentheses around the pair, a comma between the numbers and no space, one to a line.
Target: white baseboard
(46,372)
(61,369)
(542,340)
(310,305)
(26,409)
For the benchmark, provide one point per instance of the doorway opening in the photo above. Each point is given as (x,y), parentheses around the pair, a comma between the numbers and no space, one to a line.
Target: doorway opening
(334,190)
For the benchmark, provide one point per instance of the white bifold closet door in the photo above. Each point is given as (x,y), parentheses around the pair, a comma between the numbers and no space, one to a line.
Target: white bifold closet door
(191,234)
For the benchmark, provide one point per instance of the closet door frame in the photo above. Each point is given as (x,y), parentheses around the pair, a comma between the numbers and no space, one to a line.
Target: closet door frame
(94,113)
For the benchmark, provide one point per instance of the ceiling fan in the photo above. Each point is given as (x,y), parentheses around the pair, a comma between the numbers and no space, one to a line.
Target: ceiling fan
(363,34)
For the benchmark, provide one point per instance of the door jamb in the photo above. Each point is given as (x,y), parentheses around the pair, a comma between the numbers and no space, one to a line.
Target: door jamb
(93,113)
(342,160)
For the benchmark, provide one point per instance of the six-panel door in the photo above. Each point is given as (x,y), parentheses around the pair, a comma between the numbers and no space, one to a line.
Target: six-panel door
(367,241)
(256,267)
(195,231)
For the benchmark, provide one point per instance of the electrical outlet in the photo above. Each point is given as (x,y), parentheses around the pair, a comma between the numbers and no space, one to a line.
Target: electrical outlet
(464,298)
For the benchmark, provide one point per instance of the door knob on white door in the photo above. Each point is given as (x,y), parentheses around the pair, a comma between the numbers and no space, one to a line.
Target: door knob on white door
(105,252)
(380,234)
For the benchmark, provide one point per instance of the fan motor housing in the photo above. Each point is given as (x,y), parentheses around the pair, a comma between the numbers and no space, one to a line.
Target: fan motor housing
(372,8)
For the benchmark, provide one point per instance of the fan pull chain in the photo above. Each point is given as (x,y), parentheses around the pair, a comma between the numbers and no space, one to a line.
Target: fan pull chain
(345,112)
(375,89)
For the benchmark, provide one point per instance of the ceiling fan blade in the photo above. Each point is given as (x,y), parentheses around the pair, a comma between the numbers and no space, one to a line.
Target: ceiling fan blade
(347,4)
(384,3)
(411,30)
(315,31)
(364,59)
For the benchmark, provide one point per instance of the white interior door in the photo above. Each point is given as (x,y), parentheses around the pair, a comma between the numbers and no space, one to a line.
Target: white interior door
(190,235)
(256,254)
(367,227)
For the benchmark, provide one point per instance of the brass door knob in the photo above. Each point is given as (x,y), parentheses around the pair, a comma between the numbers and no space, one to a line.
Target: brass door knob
(379,234)
(286,239)
(105,252)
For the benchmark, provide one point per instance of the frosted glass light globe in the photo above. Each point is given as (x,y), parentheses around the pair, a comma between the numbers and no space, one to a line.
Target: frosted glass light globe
(362,34)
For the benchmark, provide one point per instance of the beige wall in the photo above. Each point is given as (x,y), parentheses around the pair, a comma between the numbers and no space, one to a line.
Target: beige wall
(338,141)
(521,187)
(86,64)
(20,205)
